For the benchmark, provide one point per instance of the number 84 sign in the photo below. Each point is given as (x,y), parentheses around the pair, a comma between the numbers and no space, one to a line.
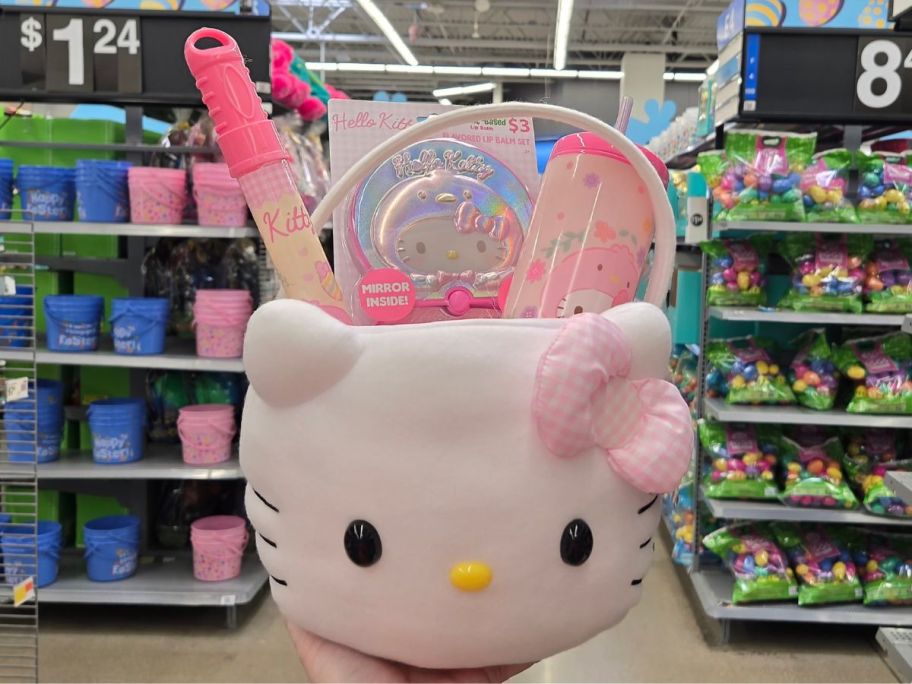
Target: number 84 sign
(883,80)
(81,53)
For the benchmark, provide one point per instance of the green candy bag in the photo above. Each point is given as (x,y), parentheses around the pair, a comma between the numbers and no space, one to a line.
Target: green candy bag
(885,188)
(884,563)
(749,371)
(888,285)
(760,567)
(812,372)
(824,184)
(813,475)
(737,270)
(881,369)
(870,452)
(743,460)
(822,563)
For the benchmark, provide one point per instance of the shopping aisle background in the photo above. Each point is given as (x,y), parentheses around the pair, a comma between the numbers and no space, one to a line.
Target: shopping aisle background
(659,641)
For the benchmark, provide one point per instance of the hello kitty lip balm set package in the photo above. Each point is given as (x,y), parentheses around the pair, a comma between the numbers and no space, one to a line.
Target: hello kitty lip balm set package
(467,491)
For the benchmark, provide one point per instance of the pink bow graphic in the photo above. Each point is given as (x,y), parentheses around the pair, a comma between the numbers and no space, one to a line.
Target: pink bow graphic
(583,399)
(469,218)
(444,278)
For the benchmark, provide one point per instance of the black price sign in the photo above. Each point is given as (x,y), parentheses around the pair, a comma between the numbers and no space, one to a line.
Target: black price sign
(80,53)
(883,77)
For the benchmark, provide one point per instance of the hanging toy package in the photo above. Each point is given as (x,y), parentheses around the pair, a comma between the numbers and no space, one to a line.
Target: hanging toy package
(885,188)
(812,467)
(743,460)
(881,371)
(737,271)
(822,562)
(760,567)
(750,374)
(764,174)
(888,282)
(824,184)
(812,372)
(827,271)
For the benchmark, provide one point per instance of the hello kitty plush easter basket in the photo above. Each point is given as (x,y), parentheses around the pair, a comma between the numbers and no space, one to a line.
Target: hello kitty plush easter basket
(463,493)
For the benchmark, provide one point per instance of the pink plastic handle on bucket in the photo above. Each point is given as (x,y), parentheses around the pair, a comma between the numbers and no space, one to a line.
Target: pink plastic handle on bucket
(665,236)
(229,434)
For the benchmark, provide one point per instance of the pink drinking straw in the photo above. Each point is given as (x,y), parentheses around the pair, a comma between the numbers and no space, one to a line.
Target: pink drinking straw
(260,163)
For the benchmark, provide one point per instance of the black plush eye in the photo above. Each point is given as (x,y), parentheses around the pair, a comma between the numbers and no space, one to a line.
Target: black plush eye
(362,543)
(576,542)
(420,248)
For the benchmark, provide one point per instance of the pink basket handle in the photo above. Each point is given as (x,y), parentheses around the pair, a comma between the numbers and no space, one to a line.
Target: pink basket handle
(665,235)
(229,434)
(222,548)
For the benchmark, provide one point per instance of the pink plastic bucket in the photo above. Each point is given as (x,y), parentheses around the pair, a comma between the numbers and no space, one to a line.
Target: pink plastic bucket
(218,547)
(157,195)
(220,317)
(206,432)
(219,199)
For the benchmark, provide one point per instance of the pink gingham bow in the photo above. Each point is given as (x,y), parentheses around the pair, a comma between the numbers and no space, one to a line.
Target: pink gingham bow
(583,398)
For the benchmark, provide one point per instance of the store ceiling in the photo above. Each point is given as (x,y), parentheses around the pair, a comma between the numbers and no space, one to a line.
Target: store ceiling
(507,33)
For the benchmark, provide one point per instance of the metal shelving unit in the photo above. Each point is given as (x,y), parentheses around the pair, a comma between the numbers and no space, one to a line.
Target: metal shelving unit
(732,509)
(803,317)
(129,229)
(798,415)
(841,228)
(179,355)
(160,462)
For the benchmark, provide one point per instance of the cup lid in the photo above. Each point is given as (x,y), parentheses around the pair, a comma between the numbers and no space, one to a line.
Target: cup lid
(589,143)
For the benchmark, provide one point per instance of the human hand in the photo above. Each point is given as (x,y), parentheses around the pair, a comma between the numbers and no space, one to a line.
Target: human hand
(326,661)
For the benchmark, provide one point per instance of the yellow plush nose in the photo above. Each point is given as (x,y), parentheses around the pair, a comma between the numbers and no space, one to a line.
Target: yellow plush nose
(452,254)
(471,576)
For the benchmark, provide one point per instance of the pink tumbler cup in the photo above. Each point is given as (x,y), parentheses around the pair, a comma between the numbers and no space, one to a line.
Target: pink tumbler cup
(590,231)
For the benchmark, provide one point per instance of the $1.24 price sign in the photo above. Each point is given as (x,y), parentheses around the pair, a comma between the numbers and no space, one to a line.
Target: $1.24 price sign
(81,53)
(883,75)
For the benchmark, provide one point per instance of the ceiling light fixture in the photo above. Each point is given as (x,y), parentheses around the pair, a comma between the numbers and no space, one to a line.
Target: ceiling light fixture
(553,73)
(409,69)
(457,71)
(684,77)
(358,66)
(379,18)
(463,90)
(444,101)
(562,33)
(505,71)
(601,75)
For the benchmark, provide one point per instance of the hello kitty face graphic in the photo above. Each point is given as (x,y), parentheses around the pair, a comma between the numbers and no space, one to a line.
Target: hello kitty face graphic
(443,227)
(590,281)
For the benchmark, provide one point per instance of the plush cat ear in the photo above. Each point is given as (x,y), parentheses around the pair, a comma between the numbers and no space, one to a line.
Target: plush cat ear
(293,351)
(647,331)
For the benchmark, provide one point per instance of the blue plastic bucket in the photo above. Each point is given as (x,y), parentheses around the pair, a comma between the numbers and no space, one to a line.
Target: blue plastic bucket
(23,429)
(138,324)
(16,314)
(118,430)
(48,192)
(111,547)
(19,551)
(73,321)
(101,190)
(6,188)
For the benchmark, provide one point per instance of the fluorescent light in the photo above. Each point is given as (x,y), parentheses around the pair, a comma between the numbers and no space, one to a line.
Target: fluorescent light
(409,69)
(504,71)
(457,71)
(322,66)
(602,75)
(359,66)
(562,32)
(379,18)
(463,90)
(553,73)
(444,101)
(685,77)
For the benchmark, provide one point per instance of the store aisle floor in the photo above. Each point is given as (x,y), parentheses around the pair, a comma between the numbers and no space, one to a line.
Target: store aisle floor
(659,641)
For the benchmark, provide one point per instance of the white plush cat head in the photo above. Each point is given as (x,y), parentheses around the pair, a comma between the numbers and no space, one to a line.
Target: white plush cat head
(462,493)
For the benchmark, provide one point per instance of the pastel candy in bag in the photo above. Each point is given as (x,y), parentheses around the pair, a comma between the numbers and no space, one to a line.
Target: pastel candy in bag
(822,563)
(827,271)
(885,188)
(764,174)
(759,565)
(888,282)
(813,373)
(750,373)
(824,184)
(737,275)
(884,563)
(812,473)
(743,460)
(869,454)
(713,164)
(881,371)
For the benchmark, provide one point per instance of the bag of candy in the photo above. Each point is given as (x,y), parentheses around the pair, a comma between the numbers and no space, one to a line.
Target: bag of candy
(888,282)
(885,188)
(684,372)
(712,166)
(750,373)
(870,452)
(764,174)
(742,460)
(812,472)
(822,563)
(760,567)
(824,183)
(881,370)
(737,270)
(884,563)
(813,374)
(827,273)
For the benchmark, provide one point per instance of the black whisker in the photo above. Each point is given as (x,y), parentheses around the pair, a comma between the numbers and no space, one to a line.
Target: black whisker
(641,545)
(648,506)
(260,497)
(632,584)
(278,581)
(273,544)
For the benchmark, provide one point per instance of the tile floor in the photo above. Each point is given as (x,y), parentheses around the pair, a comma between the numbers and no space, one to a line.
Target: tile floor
(659,641)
